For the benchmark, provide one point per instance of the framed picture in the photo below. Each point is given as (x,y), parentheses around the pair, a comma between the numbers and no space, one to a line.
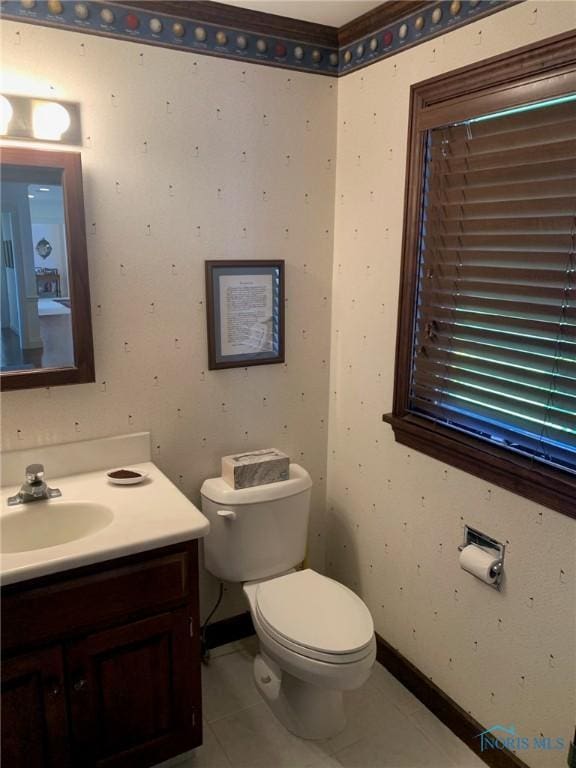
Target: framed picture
(245,308)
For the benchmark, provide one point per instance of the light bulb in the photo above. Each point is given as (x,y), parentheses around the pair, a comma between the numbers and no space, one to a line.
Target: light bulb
(6,113)
(50,120)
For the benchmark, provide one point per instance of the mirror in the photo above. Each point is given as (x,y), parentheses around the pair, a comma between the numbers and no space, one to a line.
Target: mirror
(46,333)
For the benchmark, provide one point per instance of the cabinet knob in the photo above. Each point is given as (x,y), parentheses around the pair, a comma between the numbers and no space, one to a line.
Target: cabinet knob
(53,687)
(80,685)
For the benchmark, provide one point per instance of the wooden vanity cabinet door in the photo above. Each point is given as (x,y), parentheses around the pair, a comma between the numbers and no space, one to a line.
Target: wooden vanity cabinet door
(34,721)
(133,691)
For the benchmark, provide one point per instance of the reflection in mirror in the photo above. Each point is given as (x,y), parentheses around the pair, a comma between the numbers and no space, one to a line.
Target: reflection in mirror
(46,328)
(35,295)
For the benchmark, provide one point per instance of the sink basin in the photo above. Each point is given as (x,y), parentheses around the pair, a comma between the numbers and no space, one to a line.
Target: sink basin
(43,524)
(94,520)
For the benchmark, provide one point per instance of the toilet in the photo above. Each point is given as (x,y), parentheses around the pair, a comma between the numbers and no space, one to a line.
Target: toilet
(316,636)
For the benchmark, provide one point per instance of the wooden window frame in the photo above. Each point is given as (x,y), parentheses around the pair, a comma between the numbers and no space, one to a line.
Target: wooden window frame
(543,70)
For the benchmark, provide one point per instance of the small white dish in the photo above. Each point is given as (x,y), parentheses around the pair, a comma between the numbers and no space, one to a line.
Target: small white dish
(129,476)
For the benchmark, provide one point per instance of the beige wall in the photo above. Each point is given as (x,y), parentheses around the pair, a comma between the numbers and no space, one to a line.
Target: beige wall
(395,516)
(239,163)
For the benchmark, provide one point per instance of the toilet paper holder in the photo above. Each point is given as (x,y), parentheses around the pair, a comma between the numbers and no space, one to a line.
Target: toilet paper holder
(472,536)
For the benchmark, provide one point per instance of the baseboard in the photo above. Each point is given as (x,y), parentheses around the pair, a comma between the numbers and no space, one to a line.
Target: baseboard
(440,704)
(229,630)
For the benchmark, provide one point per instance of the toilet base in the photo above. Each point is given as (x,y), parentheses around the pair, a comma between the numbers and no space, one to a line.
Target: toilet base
(305,709)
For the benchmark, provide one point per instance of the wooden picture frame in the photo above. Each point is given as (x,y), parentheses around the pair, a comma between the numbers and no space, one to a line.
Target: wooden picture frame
(245,313)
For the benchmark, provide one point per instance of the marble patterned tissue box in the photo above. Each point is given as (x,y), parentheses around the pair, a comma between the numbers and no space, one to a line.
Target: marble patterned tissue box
(245,470)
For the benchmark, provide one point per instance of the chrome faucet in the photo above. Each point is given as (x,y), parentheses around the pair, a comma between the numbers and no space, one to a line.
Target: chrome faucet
(34,487)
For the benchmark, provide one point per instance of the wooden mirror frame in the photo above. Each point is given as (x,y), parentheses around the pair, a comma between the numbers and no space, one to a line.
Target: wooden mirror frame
(82,371)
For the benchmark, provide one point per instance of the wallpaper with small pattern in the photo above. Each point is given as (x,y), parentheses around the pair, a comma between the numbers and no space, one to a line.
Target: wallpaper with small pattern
(187,158)
(395,517)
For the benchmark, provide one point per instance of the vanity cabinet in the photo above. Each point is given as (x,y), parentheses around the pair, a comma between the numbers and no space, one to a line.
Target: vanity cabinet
(129,690)
(34,719)
(101,665)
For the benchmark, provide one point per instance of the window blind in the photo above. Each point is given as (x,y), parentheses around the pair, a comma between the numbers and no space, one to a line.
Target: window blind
(495,332)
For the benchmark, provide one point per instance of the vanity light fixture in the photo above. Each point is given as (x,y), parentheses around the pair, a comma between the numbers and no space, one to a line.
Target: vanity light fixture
(50,121)
(26,117)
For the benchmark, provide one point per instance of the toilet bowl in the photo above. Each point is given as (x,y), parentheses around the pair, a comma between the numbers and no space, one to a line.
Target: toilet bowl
(316,635)
(316,641)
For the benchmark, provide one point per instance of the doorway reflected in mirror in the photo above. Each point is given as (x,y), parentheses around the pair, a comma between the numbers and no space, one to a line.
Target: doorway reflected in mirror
(36,310)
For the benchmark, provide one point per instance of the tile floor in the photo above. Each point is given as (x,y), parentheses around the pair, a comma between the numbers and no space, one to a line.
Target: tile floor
(387,726)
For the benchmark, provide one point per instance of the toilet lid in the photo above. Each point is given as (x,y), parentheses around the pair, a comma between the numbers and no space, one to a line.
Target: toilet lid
(315,612)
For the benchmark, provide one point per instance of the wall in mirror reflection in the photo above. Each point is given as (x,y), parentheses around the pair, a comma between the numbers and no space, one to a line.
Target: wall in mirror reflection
(35,304)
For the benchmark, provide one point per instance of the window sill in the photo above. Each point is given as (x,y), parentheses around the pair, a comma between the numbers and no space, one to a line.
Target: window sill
(551,488)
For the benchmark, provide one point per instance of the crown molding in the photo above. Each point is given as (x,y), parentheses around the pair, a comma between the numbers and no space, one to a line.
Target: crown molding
(238,18)
(216,29)
(408,23)
(384,14)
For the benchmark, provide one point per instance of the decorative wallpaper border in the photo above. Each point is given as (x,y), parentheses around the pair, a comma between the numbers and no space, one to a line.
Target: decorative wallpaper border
(413,29)
(168,30)
(174,32)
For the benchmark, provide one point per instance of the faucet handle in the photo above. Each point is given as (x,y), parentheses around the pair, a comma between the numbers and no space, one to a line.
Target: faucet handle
(34,473)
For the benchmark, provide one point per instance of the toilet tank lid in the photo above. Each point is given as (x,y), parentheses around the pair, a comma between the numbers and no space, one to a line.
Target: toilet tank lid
(216,489)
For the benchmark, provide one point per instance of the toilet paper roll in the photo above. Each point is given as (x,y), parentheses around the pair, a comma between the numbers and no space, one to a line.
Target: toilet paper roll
(480,563)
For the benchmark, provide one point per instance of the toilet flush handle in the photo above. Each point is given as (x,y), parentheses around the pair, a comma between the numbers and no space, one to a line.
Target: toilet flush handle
(228,514)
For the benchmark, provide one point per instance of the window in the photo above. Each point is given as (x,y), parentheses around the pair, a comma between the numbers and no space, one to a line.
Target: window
(486,352)
(495,332)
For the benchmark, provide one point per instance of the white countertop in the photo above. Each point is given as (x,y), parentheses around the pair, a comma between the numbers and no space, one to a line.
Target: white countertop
(146,516)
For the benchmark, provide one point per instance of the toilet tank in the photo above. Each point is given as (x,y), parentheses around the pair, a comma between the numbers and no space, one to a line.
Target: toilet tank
(267,532)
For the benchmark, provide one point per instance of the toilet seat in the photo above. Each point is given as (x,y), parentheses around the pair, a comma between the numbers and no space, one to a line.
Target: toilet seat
(315,617)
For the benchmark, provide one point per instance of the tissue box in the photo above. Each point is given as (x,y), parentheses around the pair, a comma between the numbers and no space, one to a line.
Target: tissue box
(245,470)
